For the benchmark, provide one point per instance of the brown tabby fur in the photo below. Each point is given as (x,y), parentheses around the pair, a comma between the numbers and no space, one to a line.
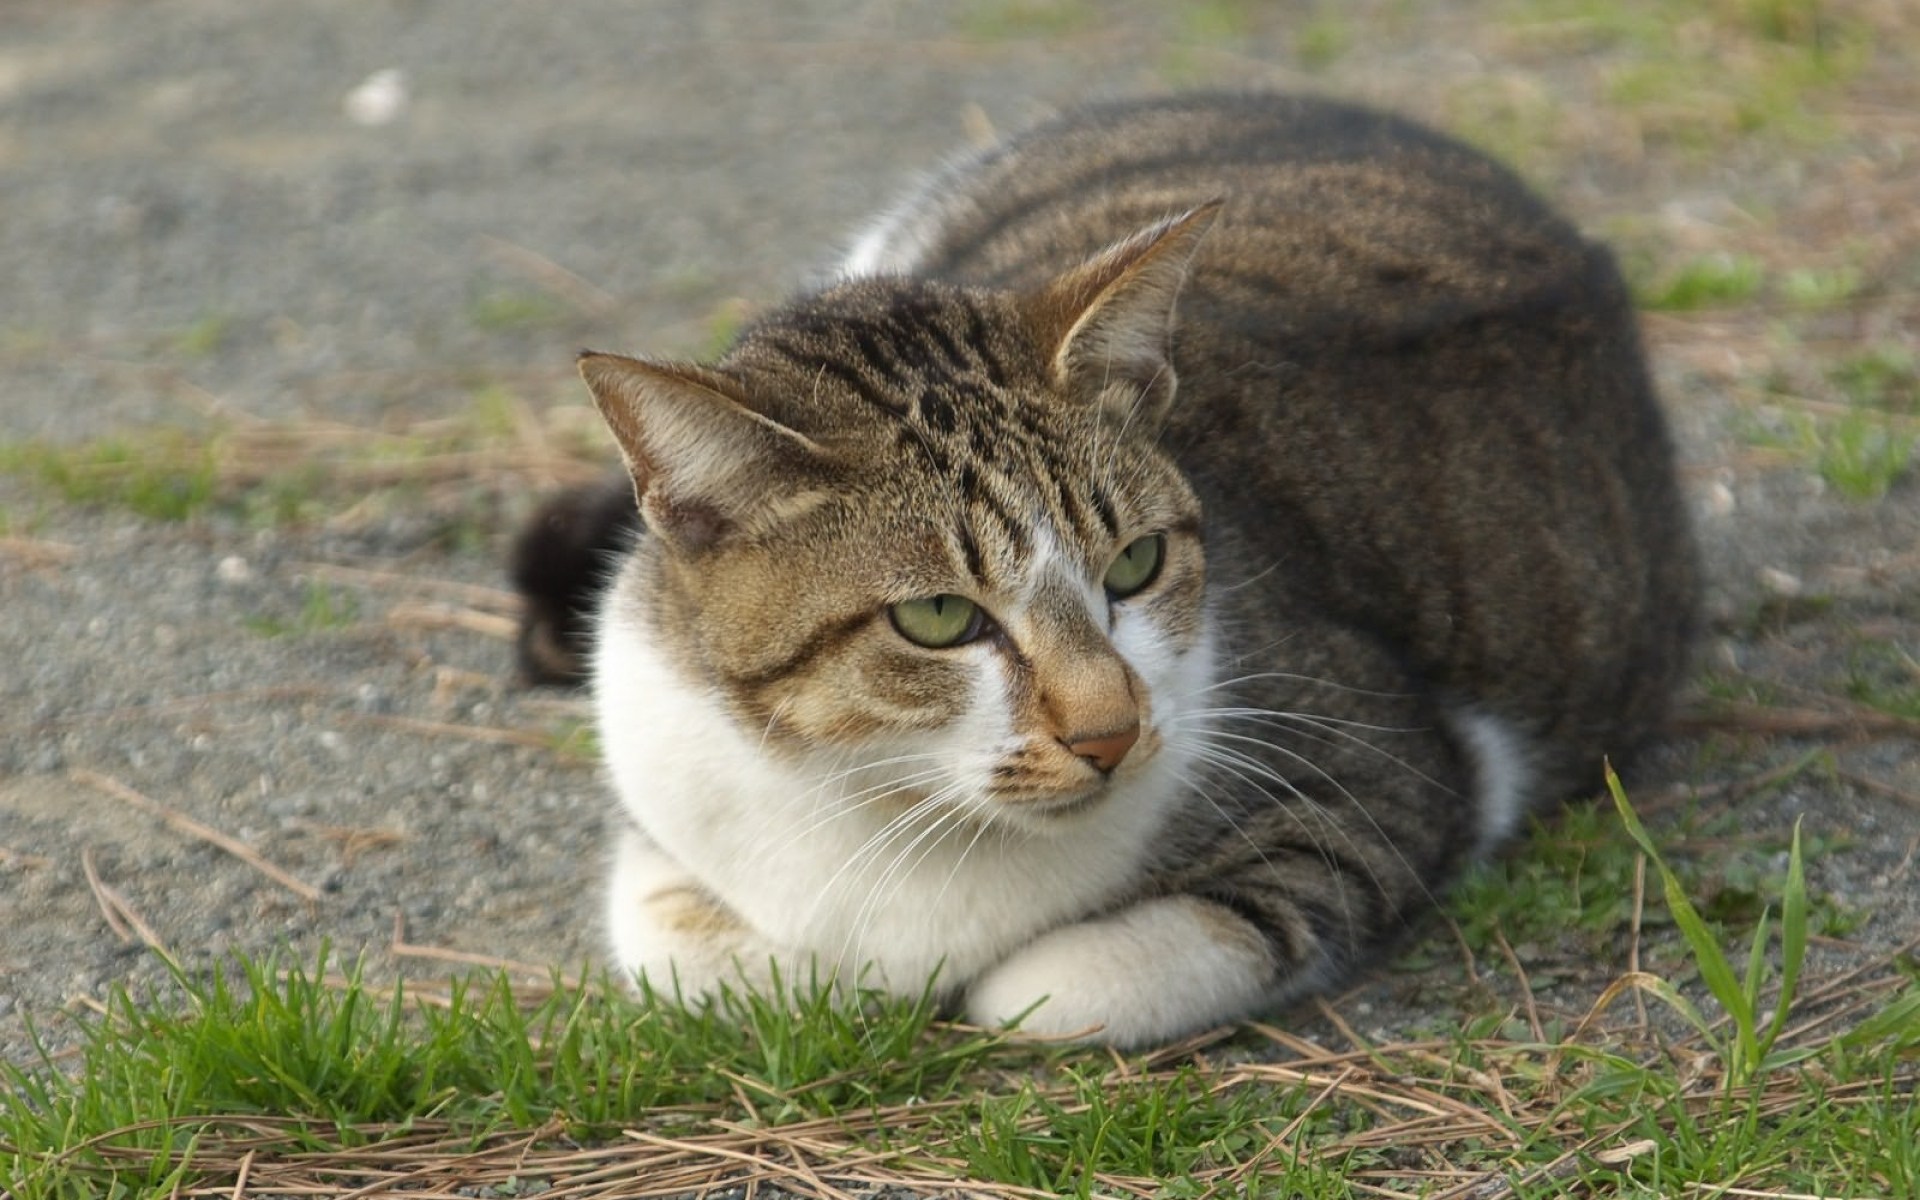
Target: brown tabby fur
(1404,450)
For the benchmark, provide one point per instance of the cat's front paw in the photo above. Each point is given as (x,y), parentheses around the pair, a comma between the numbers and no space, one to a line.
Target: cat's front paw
(1158,970)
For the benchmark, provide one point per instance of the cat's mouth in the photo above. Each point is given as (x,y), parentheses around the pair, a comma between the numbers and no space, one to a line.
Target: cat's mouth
(1036,811)
(1064,807)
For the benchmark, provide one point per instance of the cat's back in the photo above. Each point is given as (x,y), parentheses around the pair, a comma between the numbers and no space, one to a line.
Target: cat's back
(1334,213)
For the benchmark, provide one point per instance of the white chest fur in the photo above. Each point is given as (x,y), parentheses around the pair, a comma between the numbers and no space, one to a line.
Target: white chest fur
(813,866)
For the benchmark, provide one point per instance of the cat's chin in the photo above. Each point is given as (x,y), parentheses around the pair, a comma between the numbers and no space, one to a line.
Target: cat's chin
(1050,813)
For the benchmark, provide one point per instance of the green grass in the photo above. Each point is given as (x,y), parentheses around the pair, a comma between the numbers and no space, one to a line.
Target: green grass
(1817,288)
(1216,21)
(1572,890)
(1748,1050)
(506,310)
(1711,281)
(721,326)
(1513,118)
(204,337)
(301,1076)
(576,740)
(1885,377)
(1863,451)
(164,475)
(1860,430)
(1323,39)
(290,473)
(1063,1139)
(1575,880)
(1001,20)
(1885,676)
(1860,452)
(322,608)
(1696,73)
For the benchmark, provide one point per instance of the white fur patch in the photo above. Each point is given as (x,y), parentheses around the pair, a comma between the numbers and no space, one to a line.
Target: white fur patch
(814,867)
(1048,564)
(647,892)
(893,243)
(1502,778)
(872,253)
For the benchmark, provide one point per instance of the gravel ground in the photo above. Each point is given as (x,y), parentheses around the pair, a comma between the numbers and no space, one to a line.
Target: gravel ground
(200,232)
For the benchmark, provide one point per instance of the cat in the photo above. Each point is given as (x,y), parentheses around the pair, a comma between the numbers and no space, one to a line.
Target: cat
(1184,536)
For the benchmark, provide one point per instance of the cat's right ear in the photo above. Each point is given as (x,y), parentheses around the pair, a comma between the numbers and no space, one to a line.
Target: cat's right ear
(1110,320)
(701,458)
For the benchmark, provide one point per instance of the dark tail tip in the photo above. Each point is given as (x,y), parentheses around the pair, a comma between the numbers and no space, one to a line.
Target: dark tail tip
(561,564)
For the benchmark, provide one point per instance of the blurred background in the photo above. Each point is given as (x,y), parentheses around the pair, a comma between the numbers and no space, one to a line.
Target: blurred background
(272,209)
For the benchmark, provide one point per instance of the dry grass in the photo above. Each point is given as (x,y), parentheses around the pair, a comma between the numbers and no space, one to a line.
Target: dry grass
(1414,1112)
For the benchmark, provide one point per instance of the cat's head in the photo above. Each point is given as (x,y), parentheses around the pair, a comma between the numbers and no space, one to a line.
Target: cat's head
(924,534)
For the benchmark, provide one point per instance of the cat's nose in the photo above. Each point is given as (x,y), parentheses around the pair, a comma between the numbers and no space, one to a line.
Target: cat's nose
(1106,750)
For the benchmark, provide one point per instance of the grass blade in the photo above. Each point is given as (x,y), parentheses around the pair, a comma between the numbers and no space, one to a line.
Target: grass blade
(1715,970)
(1793,938)
(1757,960)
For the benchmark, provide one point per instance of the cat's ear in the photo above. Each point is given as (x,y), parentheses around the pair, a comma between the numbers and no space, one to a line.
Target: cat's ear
(702,460)
(1110,320)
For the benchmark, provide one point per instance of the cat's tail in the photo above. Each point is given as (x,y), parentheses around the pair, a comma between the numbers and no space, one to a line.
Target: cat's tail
(561,563)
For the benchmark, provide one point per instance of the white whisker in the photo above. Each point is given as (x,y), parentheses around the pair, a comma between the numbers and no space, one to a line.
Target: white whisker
(883,887)
(1256,774)
(1336,729)
(1357,805)
(1293,677)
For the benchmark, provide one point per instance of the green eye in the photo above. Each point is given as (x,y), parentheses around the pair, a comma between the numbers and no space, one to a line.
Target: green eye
(1136,566)
(938,621)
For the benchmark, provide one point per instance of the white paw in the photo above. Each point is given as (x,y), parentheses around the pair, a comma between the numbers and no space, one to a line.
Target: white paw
(1156,971)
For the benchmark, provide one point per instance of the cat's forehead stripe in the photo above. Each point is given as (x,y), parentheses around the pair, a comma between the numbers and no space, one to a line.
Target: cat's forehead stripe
(926,364)
(845,373)
(1033,483)
(982,343)
(995,518)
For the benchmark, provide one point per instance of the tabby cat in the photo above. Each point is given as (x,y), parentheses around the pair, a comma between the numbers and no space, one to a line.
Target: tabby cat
(1183,537)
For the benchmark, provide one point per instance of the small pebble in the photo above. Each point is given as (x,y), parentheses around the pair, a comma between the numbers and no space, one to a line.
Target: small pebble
(298,804)
(1781,583)
(1727,654)
(233,569)
(379,100)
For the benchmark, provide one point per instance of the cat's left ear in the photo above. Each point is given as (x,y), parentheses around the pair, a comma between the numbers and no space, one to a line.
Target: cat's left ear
(1110,320)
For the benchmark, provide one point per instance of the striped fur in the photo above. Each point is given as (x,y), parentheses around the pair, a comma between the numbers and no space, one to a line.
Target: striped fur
(1424,563)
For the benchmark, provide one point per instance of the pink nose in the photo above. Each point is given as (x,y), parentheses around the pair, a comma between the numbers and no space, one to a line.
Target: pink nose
(1106,751)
